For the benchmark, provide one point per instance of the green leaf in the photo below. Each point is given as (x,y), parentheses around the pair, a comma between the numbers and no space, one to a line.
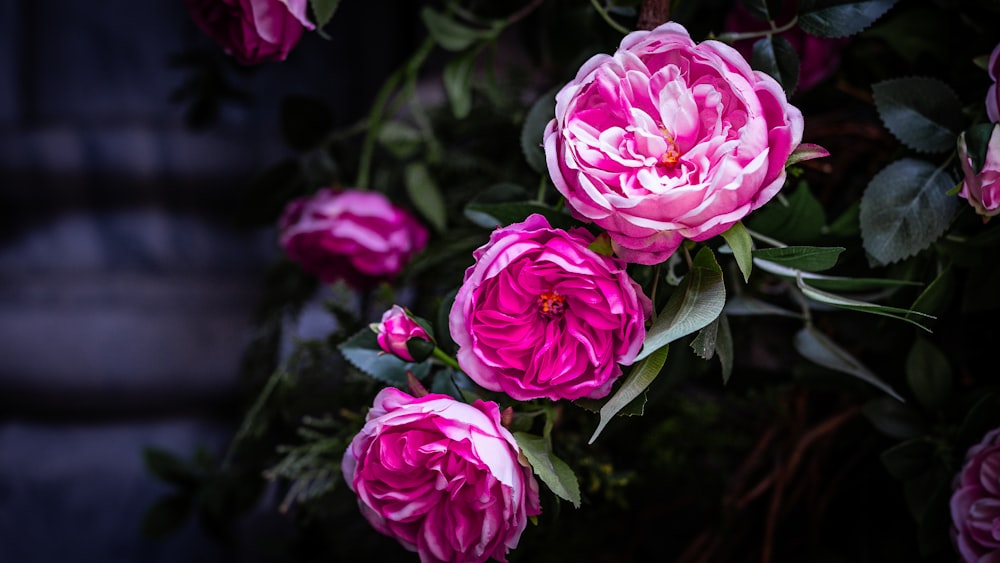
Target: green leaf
(457,78)
(425,195)
(450,34)
(740,242)
(804,152)
(846,225)
(363,352)
(832,283)
(538,118)
(169,468)
(928,373)
(704,344)
(724,348)
(976,140)
(816,347)
(400,139)
(908,459)
(840,18)
(323,11)
(924,113)
(696,302)
(913,34)
(776,57)
(935,296)
(166,516)
(763,9)
(554,472)
(820,296)
(893,418)
(905,208)
(747,306)
(806,258)
(501,214)
(641,376)
(799,219)
(305,121)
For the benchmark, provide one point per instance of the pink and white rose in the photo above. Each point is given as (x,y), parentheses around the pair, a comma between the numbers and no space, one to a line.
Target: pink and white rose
(982,190)
(441,477)
(252,31)
(395,330)
(352,235)
(975,502)
(539,314)
(669,140)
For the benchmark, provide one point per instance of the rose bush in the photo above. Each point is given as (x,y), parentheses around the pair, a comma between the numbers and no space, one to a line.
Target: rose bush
(252,31)
(975,502)
(982,190)
(395,330)
(993,94)
(669,140)
(442,477)
(353,235)
(539,314)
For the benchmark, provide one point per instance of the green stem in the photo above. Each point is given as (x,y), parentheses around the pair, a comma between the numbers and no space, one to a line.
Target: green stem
(731,37)
(766,239)
(607,17)
(447,360)
(408,70)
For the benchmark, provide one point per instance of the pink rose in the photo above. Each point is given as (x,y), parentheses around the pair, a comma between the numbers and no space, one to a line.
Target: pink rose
(541,315)
(252,31)
(819,57)
(975,502)
(395,330)
(353,235)
(441,477)
(993,95)
(669,140)
(982,190)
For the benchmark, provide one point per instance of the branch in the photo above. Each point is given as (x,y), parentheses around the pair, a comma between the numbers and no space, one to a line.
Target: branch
(653,13)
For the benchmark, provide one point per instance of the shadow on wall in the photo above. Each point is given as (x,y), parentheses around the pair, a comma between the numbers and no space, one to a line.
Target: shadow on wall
(126,290)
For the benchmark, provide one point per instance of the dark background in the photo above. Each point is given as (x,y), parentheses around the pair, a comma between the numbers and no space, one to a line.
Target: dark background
(127,286)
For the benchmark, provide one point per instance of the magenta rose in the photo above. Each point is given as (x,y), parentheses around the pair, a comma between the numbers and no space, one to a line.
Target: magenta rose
(395,330)
(541,315)
(982,190)
(975,502)
(669,140)
(252,31)
(993,94)
(441,477)
(352,235)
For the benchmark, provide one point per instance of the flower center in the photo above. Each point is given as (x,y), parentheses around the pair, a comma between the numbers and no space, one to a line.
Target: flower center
(551,304)
(670,157)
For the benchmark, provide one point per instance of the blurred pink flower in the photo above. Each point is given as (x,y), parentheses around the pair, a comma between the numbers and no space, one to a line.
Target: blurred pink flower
(975,502)
(669,140)
(252,31)
(993,94)
(441,477)
(982,190)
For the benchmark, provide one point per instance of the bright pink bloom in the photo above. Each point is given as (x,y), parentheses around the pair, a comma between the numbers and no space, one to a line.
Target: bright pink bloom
(993,94)
(541,315)
(669,140)
(982,190)
(396,329)
(975,502)
(252,31)
(353,235)
(441,477)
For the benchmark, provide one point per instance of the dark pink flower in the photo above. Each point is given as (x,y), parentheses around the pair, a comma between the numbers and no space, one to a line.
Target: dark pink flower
(668,140)
(352,235)
(395,330)
(441,477)
(541,315)
(975,502)
(982,190)
(252,31)
(993,94)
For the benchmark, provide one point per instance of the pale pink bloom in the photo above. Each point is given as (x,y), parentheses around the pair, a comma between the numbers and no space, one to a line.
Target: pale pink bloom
(669,140)
(353,235)
(975,502)
(252,31)
(539,314)
(395,330)
(441,477)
